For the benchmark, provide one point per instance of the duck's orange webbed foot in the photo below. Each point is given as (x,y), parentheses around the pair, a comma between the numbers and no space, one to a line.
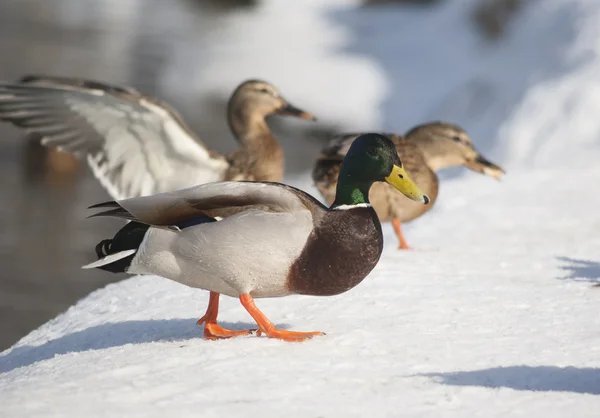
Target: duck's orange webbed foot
(397,229)
(266,327)
(212,330)
(291,336)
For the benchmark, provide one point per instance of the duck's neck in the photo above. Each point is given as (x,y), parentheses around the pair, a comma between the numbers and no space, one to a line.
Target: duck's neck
(259,149)
(246,124)
(351,193)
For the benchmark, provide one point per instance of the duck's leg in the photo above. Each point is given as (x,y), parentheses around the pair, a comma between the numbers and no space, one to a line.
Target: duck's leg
(403,244)
(212,330)
(265,326)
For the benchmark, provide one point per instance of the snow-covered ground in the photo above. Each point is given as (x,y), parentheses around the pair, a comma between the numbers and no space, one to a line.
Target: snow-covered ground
(494,314)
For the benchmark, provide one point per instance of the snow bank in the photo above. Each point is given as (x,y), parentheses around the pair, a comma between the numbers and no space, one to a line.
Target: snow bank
(309,67)
(528,98)
(494,314)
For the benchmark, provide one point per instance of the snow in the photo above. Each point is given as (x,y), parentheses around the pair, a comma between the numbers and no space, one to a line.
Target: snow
(303,36)
(494,314)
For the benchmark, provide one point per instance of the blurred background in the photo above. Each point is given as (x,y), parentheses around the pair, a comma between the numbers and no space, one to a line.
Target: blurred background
(357,65)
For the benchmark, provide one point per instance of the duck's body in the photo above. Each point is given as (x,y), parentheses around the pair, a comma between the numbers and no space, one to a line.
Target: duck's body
(138,145)
(297,234)
(237,271)
(273,240)
(424,150)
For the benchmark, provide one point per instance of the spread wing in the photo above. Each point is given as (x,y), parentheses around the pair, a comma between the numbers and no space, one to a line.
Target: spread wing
(134,144)
(216,200)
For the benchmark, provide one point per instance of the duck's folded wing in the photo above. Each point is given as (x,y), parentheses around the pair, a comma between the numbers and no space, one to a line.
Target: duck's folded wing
(215,199)
(327,165)
(134,144)
(337,148)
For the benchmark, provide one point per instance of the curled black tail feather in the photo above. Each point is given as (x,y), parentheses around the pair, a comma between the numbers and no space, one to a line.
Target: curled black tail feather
(116,213)
(103,248)
(129,237)
(109,204)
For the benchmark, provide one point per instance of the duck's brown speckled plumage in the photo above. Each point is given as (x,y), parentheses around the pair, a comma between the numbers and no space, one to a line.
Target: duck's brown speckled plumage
(388,202)
(260,160)
(423,150)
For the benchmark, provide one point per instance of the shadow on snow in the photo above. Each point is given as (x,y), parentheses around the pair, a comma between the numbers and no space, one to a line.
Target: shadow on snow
(112,335)
(530,378)
(580,270)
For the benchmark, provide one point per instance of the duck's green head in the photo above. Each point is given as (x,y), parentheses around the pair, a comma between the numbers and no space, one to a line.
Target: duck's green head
(373,157)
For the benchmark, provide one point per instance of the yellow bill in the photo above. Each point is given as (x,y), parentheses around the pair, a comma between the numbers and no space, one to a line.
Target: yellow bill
(400,180)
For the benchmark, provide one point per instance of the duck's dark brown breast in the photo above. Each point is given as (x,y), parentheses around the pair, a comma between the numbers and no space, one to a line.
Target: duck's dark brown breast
(340,252)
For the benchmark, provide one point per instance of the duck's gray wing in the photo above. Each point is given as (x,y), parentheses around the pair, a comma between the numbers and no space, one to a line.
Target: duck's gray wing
(221,199)
(134,144)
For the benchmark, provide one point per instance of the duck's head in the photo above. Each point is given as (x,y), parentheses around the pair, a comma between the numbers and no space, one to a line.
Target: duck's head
(446,145)
(253,100)
(373,157)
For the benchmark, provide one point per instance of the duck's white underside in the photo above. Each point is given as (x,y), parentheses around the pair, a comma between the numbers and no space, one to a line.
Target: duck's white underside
(250,252)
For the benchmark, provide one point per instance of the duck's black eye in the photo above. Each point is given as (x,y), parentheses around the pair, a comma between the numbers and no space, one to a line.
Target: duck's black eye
(264,91)
(456,138)
(372,151)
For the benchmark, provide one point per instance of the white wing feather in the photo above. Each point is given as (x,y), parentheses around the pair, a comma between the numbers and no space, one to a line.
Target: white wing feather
(133,145)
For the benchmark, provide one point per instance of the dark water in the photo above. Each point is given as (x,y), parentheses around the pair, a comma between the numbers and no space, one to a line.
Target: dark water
(44,237)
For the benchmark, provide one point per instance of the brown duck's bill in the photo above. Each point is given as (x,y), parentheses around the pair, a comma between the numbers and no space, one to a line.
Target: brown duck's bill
(484,166)
(400,180)
(288,109)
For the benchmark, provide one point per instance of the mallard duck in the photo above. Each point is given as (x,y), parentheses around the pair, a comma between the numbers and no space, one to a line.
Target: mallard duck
(138,145)
(273,240)
(424,150)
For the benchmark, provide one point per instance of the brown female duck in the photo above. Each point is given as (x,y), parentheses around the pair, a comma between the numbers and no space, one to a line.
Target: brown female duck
(138,145)
(424,150)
